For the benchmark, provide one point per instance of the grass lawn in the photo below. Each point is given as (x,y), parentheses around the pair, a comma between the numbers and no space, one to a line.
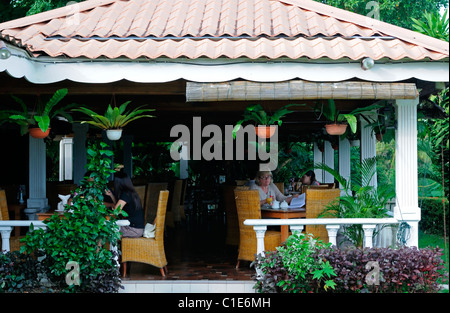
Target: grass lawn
(428,240)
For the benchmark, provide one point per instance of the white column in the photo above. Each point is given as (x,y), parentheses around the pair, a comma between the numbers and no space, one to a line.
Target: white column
(344,160)
(260,233)
(328,159)
(37,174)
(406,179)
(318,158)
(184,157)
(368,144)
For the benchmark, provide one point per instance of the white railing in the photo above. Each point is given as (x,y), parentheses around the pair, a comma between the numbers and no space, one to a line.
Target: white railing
(6,228)
(331,224)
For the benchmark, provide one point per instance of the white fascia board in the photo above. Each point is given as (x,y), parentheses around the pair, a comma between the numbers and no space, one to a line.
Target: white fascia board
(45,70)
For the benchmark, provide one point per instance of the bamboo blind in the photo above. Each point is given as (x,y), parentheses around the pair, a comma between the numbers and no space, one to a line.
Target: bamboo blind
(297,90)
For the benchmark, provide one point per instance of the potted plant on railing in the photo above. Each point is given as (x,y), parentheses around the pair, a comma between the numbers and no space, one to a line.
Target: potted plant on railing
(114,119)
(360,198)
(37,123)
(265,124)
(341,121)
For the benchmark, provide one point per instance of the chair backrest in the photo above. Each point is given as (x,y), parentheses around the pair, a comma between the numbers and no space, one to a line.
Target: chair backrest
(248,207)
(161,214)
(4,215)
(141,190)
(316,201)
(321,186)
(151,200)
(280,187)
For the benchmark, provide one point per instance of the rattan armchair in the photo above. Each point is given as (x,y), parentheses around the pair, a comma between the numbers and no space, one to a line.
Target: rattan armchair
(149,250)
(248,207)
(316,201)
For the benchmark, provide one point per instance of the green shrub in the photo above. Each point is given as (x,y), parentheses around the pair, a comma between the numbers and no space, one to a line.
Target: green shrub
(432,219)
(304,264)
(82,236)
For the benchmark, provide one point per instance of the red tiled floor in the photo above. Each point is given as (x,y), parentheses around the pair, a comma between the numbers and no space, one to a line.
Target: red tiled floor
(196,250)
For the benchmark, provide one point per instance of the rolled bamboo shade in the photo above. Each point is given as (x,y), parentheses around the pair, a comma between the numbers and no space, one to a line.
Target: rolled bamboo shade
(297,90)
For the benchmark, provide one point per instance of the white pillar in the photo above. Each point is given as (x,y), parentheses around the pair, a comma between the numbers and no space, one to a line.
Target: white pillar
(406,178)
(328,159)
(344,160)
(368,144)
(184,157)
(37,174)
(318,158)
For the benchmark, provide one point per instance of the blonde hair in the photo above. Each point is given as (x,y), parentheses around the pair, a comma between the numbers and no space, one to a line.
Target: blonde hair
(262,173)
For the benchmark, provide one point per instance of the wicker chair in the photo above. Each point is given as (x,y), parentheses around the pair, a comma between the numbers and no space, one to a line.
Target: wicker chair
(149,250)
(232,237)
(14,242)
(151,200)
(316,201)
(248,207)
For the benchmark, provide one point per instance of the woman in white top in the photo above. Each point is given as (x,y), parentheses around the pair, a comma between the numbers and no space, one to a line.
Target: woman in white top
(267,189)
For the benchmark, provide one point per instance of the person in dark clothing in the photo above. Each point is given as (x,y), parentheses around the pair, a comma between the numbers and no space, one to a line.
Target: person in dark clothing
(126,197)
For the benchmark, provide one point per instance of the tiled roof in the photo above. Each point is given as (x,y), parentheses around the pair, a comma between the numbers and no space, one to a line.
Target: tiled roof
(215,28)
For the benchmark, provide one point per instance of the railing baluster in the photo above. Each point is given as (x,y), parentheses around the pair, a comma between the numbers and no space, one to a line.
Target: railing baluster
(260,233)
(368,233)
(332,233)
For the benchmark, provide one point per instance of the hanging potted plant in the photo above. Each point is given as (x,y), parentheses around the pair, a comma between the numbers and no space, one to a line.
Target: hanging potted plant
(341,121)
(37,122)
(265,124)
(114,119)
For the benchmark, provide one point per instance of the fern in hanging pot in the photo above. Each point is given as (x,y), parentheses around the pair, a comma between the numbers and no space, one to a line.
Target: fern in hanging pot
(114,119)
(37,122)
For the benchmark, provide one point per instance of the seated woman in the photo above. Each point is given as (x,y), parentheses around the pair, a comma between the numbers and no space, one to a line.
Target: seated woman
(128,200)
(267,189)
(310,179)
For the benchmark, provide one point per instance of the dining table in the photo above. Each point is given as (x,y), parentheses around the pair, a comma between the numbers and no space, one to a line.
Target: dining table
(284,214)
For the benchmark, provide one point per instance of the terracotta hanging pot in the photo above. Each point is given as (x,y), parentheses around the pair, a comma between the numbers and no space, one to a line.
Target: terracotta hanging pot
(37,133)
(265,131)
(379,136)
(336,129)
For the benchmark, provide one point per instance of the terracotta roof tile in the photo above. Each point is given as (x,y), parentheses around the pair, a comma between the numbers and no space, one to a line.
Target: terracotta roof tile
(214,29)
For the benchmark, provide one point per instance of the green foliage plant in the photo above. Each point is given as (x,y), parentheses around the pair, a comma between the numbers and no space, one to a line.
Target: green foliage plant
(335,116)
(43,114)
(114,118)
(83,234)
(433,25)
(256,114)
(360,199)
(292,268)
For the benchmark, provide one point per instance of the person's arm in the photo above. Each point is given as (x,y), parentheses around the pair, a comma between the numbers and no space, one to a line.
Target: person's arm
(120,204)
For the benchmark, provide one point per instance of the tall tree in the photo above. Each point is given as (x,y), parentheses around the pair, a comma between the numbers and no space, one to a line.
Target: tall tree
(397,12)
